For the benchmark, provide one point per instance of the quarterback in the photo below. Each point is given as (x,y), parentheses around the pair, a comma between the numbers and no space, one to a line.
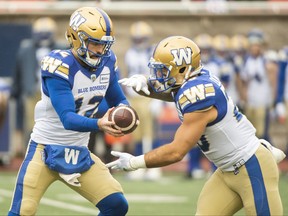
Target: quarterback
(74,82)
(247,174)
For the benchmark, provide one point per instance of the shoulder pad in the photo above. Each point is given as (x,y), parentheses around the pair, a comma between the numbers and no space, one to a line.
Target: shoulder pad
(57,62)
(197,95)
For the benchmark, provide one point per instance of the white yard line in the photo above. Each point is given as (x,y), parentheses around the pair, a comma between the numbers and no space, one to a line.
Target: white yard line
(58,204)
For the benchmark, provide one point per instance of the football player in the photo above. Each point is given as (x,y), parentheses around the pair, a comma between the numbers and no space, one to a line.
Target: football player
(74,82)
(259,74)
(247,174)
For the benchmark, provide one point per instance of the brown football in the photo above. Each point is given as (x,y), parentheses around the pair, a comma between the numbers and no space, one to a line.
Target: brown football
(125,118)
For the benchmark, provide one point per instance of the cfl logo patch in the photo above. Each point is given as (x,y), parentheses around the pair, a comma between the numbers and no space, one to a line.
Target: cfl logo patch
(181,55)
(76,20)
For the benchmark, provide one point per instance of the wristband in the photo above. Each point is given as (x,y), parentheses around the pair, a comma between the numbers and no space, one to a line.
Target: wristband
(137,162)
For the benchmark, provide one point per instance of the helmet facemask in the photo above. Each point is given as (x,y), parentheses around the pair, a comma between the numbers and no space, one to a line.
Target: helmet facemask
(160,79)
(175,60)
(88,56)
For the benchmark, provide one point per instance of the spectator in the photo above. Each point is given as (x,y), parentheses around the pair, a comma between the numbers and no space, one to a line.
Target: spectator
(260,78)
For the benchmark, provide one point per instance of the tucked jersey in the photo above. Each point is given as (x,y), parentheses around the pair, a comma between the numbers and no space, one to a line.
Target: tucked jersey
(230,140)
(61,70)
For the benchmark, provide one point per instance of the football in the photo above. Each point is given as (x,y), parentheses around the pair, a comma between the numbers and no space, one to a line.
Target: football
(125,118)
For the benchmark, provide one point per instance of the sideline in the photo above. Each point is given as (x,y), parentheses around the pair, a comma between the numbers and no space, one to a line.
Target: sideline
(57,204)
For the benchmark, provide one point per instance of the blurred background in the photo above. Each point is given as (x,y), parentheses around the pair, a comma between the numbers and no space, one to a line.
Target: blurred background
(245,43)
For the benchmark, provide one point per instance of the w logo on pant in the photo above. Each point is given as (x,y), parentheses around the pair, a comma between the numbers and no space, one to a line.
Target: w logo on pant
(71,155)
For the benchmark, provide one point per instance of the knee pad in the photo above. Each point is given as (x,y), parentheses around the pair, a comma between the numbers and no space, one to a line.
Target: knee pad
(28,207)
(113,205)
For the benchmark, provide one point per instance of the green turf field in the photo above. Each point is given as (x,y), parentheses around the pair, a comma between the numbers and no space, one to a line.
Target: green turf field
(172,196)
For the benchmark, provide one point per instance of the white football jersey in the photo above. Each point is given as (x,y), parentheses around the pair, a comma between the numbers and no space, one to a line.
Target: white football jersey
(230,140)
(88,89)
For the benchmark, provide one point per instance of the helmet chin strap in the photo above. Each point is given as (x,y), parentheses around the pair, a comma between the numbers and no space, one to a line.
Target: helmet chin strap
(93,62)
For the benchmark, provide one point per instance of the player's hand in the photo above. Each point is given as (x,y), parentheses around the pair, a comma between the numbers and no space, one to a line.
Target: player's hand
(138,82)
(122,163)
(107,126)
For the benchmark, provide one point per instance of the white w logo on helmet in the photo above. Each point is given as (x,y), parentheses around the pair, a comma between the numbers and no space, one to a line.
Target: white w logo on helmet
(182,54)
(76,20)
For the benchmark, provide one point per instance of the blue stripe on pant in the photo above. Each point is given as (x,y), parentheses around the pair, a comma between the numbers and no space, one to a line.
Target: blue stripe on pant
(258,186)
(18,194)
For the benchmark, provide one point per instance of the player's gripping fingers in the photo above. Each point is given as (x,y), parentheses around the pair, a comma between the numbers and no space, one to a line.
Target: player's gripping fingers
(114,132)
(104,121)
(109,126)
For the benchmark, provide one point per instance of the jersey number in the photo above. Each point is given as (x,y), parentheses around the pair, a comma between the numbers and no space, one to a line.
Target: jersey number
(203,144)
(237,114)
(93,102)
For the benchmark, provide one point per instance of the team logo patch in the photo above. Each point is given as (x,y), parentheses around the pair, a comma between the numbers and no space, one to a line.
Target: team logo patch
(93,77)
(76,20)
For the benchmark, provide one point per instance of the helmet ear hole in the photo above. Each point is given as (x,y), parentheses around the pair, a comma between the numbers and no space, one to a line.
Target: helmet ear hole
(182,70)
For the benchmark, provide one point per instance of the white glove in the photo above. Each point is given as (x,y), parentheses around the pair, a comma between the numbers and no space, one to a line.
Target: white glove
(126,161)
(277,153)
(138,82)
(71,179)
